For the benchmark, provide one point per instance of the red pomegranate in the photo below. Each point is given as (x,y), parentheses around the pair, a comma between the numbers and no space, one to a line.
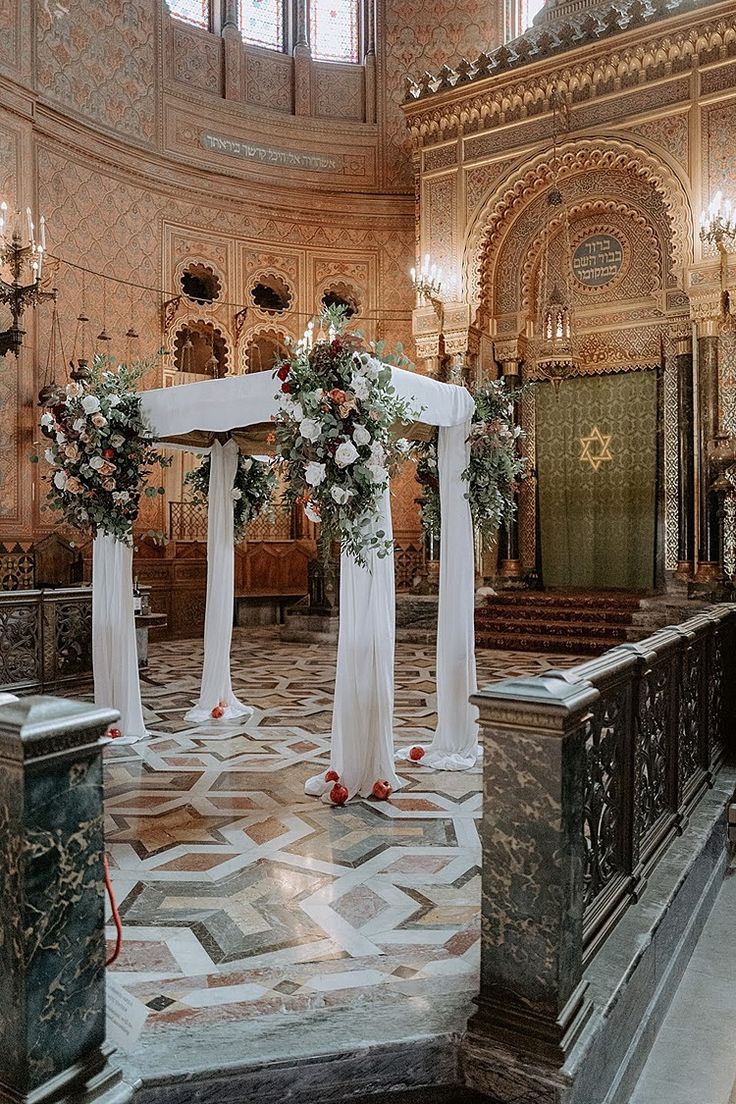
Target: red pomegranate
(382,790)
(338,794)
(416,753)
(114,733)
(218,712)
(332,776)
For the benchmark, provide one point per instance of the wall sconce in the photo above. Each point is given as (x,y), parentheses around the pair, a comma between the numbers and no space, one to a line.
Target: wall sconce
(16,253)
(718,227)
(427,282)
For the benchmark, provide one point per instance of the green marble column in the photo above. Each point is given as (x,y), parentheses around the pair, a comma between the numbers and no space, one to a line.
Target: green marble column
(52,940)
(709,567)
(532,1003)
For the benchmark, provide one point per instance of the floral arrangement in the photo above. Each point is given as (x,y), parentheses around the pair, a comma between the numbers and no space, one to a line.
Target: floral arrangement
(253,487)
(495,469)
(337,407)
(100,450)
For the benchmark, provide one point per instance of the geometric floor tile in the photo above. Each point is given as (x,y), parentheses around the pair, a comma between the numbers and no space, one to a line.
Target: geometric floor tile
(239,896)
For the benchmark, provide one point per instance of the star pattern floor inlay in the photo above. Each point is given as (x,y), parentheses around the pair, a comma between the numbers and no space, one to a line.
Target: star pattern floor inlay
(240,896)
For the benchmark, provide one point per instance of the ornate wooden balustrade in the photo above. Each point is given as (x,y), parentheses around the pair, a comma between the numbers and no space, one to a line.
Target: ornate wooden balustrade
(45,638)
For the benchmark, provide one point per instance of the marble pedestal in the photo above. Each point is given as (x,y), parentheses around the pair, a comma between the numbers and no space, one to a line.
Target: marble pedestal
(52,937)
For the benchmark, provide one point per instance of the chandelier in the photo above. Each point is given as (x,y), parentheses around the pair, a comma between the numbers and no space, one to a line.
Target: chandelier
(555,339)
(21,258)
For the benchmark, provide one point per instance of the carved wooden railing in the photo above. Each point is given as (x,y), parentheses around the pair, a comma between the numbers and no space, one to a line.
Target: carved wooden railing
(45,638)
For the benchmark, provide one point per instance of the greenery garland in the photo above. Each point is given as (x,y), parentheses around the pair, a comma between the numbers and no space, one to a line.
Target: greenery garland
(333,434)
(495,468)
(253,488)
(100,450)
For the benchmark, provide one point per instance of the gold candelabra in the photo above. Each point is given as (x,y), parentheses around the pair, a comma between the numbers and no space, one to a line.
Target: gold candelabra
(17,254)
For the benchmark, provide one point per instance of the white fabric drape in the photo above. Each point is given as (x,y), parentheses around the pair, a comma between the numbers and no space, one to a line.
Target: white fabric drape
(114,652)
(218,621)
(362,718)
(455,744)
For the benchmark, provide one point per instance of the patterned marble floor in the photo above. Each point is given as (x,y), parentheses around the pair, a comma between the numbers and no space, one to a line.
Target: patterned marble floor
(242,897)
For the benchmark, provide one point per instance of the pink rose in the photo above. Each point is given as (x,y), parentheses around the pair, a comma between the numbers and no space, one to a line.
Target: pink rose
(99,420)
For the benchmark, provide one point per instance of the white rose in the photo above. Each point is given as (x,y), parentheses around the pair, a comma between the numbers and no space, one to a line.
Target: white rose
(314,473)
(113,400)
(47,420)
(60,438)
(237,494)
(60,480)
(360,387)
(90,404)
(361,436)
(341,495)
(346,454)
(96,462)
(49,456)
(310,430)
(377,473)
(378,453)
(78,425)
(312,513)
(246,464)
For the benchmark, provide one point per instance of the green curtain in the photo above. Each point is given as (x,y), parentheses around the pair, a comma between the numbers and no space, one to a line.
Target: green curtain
(597,465)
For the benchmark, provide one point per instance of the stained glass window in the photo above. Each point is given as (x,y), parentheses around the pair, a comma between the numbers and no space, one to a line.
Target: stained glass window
(529,8)
(196,12)
(262,22)
(334,30)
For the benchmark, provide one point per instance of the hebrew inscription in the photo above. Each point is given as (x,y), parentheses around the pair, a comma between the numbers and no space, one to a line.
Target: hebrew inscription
(597,260)
(266,155)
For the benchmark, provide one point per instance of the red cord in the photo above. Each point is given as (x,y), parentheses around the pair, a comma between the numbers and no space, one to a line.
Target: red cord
(115,914)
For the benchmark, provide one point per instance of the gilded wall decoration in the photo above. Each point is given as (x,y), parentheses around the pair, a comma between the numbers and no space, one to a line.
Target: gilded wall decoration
(268,81)
(440,157)
(196,58)
(718,130)
(338,91)
(616,170)
(672,133)
(479,180)
(99,61)
(9,27)
(439,220)
(671,465)
(416,37)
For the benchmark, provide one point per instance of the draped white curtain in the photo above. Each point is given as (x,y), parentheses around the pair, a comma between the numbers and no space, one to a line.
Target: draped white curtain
(455,745)
(114,652)
(362,718)
(218,622)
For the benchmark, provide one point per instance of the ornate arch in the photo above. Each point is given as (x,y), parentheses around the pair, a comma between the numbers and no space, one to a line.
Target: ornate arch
(595,208)
(529,180)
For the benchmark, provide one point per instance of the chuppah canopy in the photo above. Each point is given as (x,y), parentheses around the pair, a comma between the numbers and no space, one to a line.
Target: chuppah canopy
(199,415)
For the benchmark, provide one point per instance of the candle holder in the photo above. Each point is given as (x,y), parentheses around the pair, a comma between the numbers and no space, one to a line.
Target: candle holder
(427,282)
(16,255)
(718,227)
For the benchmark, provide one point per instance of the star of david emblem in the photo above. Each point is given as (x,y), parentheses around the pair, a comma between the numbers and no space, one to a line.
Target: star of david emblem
(596,448)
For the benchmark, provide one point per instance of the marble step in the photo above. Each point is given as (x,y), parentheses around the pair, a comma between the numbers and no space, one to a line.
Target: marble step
(530,642)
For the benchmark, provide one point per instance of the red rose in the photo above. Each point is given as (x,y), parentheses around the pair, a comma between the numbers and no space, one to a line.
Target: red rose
(109,454)
(283,371)
(285,388)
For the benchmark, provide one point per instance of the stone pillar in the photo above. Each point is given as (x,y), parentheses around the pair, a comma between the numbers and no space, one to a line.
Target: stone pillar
(52,937)
(302,60)
(685,459)
(709,568)
(369,60)
(233,47)
(508,537)
(532,1003)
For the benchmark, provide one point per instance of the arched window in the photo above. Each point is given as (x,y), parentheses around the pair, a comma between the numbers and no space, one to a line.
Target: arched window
(262,23)
(334,30)
(196,12)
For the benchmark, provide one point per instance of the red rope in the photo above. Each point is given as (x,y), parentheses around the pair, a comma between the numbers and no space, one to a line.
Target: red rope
(115,914)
